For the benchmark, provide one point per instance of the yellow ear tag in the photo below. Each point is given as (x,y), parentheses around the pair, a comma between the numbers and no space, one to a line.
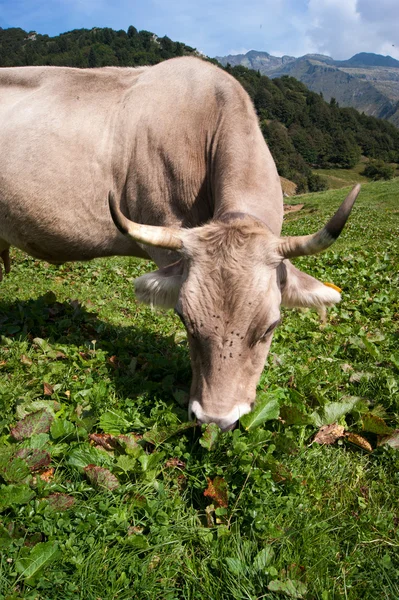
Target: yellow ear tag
(334,287)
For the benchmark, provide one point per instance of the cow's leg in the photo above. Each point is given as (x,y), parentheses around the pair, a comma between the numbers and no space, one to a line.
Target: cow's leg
(5,257)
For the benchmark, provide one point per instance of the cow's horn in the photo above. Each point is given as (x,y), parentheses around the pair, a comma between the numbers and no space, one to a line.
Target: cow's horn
(163,237)
(317,242)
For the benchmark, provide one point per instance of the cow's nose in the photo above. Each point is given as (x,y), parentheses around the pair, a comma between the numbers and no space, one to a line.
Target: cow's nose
(222,427)
(226,423)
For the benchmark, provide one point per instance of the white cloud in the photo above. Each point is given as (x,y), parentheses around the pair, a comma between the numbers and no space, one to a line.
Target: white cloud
(343,28)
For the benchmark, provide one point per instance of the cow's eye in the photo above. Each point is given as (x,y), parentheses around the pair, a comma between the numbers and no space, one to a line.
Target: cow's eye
(268,331)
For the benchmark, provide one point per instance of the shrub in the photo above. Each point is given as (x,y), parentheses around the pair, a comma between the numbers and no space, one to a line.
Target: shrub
(377,169)
(317,183)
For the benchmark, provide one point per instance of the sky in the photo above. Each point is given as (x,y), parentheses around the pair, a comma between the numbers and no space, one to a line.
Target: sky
(338,28)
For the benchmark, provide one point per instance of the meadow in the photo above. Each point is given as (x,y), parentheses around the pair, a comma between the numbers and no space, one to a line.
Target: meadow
(108,492)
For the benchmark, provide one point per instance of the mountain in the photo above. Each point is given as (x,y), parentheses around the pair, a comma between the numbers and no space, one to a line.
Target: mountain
(368,59)
(259,61)
(368,82)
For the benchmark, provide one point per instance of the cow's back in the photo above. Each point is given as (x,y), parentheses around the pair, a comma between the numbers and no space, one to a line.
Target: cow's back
(176,142)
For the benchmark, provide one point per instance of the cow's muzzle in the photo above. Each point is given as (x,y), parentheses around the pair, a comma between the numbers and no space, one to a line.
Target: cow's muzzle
(226,422)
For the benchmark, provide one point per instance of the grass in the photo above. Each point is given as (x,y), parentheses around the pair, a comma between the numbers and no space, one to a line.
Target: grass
(339,178)
(88,515)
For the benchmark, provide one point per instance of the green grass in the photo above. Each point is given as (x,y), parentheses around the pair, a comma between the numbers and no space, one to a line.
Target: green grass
(313,521)
(339,178)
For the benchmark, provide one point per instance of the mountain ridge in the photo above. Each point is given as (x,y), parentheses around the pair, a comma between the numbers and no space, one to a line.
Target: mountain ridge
(368,82)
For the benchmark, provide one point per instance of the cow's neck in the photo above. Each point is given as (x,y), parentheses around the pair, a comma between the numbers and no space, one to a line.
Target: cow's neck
(244,176)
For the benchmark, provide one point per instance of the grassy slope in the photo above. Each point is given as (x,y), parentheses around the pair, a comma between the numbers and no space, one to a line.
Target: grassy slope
(324,516)
(339,178)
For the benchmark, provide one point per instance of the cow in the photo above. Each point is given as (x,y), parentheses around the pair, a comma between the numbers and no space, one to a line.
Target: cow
(173,156)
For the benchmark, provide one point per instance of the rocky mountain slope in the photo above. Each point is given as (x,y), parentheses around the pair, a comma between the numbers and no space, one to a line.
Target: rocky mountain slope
(368,82)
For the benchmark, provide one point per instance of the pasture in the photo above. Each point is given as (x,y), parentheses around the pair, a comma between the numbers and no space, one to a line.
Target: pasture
(107,492)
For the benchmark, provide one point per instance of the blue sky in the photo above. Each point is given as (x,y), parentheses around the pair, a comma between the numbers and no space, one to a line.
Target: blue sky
(339,28)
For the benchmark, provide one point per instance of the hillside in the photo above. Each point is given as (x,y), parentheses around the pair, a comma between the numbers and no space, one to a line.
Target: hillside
(368,82)
(303,131)
(87,48)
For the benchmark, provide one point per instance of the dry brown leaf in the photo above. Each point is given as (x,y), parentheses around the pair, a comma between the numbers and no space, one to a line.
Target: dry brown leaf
(217,491)
(101,477)
(104,440)
(329,434)
(360,441)
(114,362)
(175,463)
(392,440)
(60,502)
(25,360)
(48,389)
(47,475)
(135,530)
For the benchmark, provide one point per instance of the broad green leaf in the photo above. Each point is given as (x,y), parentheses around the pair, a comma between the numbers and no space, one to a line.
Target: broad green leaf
(39,557)
(32,406)
(34,423)
(84,455)
(114,421)
(129,443)
(210,435)
(43,344)
(289,587)
(15,470)
(333,411)
(263,558)
(375,424)
(137,541)
(151,461)
(158,435)
(371,349)
(38,441)
(5,537)
(14,495)
(61,428)
(266,409)
(294,416)
(127,463)
(235,565)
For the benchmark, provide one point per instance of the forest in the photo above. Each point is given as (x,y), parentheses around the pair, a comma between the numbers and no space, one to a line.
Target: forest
(302,130)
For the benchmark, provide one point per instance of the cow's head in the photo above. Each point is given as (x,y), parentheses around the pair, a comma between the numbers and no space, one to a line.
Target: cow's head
(227,288)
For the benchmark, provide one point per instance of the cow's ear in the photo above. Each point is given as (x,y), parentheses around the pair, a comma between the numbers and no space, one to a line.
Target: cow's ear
(160,288)
(301,290)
